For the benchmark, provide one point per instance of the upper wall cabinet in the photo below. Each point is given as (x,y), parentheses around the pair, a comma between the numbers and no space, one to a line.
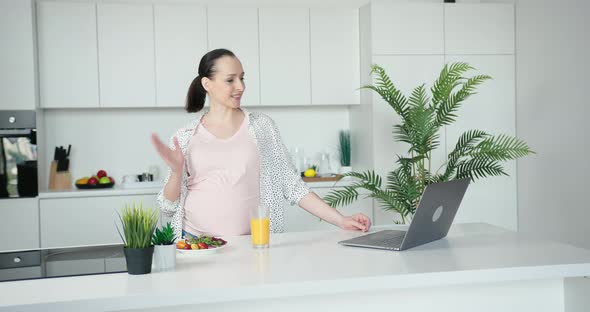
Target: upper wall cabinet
(107,54)
(334,56)
(68,61)
(126,55)
(479,29)
(181,39)
(17,61)
(284,57)
(407,28)
(237,30)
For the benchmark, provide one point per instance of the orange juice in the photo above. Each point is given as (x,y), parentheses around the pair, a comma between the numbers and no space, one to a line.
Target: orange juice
(260,231)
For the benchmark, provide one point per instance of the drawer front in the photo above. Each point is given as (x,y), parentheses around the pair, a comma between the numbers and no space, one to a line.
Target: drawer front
(20,259)
(20,224)
(84,221)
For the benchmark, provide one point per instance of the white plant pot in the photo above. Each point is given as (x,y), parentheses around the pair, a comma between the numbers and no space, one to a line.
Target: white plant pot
(164,257)
(345,169)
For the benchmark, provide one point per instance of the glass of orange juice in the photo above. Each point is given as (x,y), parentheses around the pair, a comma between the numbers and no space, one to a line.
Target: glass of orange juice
(260,226)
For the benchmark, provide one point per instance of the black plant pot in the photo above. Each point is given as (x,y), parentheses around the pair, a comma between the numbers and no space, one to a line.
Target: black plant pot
(139,260)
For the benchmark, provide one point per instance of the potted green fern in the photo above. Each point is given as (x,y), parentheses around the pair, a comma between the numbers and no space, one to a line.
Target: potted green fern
(476,155)
(344,145)
(164,248)
(138,225)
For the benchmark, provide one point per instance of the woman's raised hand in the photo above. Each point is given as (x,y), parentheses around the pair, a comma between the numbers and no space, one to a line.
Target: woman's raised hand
(173,157)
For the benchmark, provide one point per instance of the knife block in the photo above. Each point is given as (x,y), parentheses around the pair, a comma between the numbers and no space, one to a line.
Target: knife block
(61,180)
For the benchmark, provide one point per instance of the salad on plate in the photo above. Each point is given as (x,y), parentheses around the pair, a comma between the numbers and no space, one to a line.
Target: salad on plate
(200,245)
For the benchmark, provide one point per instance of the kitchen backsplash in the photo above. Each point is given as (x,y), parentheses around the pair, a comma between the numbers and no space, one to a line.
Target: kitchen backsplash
(118,140)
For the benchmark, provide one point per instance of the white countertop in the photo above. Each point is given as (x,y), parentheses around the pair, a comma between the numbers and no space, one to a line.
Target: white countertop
(117,190)
(308,263)
(114,191)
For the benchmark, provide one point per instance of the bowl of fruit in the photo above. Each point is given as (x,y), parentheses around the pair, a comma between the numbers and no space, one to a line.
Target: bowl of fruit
(98,181)
(202,245)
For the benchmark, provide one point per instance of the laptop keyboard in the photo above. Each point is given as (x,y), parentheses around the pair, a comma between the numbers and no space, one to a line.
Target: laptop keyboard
(390,241)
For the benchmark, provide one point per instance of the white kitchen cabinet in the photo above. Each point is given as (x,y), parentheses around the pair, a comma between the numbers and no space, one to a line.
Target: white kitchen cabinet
(126,55)
(180,41)
(482,28)
(407,28)
(20,224)
(297,219)
(85,220)
(334,56)
(17,58)
(68,60)
(237,30)
(284,57)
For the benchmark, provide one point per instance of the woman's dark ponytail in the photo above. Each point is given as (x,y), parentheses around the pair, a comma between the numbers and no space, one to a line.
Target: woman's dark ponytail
(195,98)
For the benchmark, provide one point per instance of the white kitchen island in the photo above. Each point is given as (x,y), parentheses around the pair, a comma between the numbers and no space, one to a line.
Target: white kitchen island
(478,267)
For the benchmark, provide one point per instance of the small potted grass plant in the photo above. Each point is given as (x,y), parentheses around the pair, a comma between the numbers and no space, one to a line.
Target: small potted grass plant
(344,143)
(164,248)
(138,225)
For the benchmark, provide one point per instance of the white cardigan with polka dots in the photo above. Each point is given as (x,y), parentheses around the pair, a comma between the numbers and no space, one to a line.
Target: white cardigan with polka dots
(278,177)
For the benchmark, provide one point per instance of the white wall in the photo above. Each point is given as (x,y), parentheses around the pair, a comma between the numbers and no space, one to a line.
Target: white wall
(552,68)
(118,140)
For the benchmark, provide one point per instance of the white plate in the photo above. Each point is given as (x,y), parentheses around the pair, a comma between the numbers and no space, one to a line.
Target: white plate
(192,252)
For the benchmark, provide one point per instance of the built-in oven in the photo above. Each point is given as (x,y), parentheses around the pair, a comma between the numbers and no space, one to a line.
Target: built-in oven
(18,154)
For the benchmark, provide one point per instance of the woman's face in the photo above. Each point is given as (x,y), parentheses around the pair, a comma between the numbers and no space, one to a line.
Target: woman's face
(227,84)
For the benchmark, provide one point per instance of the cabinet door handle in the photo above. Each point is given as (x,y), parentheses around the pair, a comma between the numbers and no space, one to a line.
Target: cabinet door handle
(17,260)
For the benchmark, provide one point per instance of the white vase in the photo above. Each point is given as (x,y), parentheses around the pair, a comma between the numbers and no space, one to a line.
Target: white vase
(164,257)
(345,169)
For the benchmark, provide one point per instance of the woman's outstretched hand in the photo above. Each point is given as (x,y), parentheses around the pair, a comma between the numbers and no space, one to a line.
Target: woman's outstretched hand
(358,222)
(173,157)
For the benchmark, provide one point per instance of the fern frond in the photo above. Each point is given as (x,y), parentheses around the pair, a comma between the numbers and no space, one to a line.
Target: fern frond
(447,81)
(419,97)
(477,168)
(385,88)
(467,141)
(368,180)
(389,202)
(446,111)
(501,147)
(368,177)
(342,197)
(403,186)
(419,128)
(468,88)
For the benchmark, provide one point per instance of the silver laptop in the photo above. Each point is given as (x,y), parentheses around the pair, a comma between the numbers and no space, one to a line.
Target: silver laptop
(432,220)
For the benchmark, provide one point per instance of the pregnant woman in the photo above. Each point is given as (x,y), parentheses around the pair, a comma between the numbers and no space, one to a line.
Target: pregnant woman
(228,160)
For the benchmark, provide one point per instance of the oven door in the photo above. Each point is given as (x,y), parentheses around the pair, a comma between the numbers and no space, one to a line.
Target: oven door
(18,163)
